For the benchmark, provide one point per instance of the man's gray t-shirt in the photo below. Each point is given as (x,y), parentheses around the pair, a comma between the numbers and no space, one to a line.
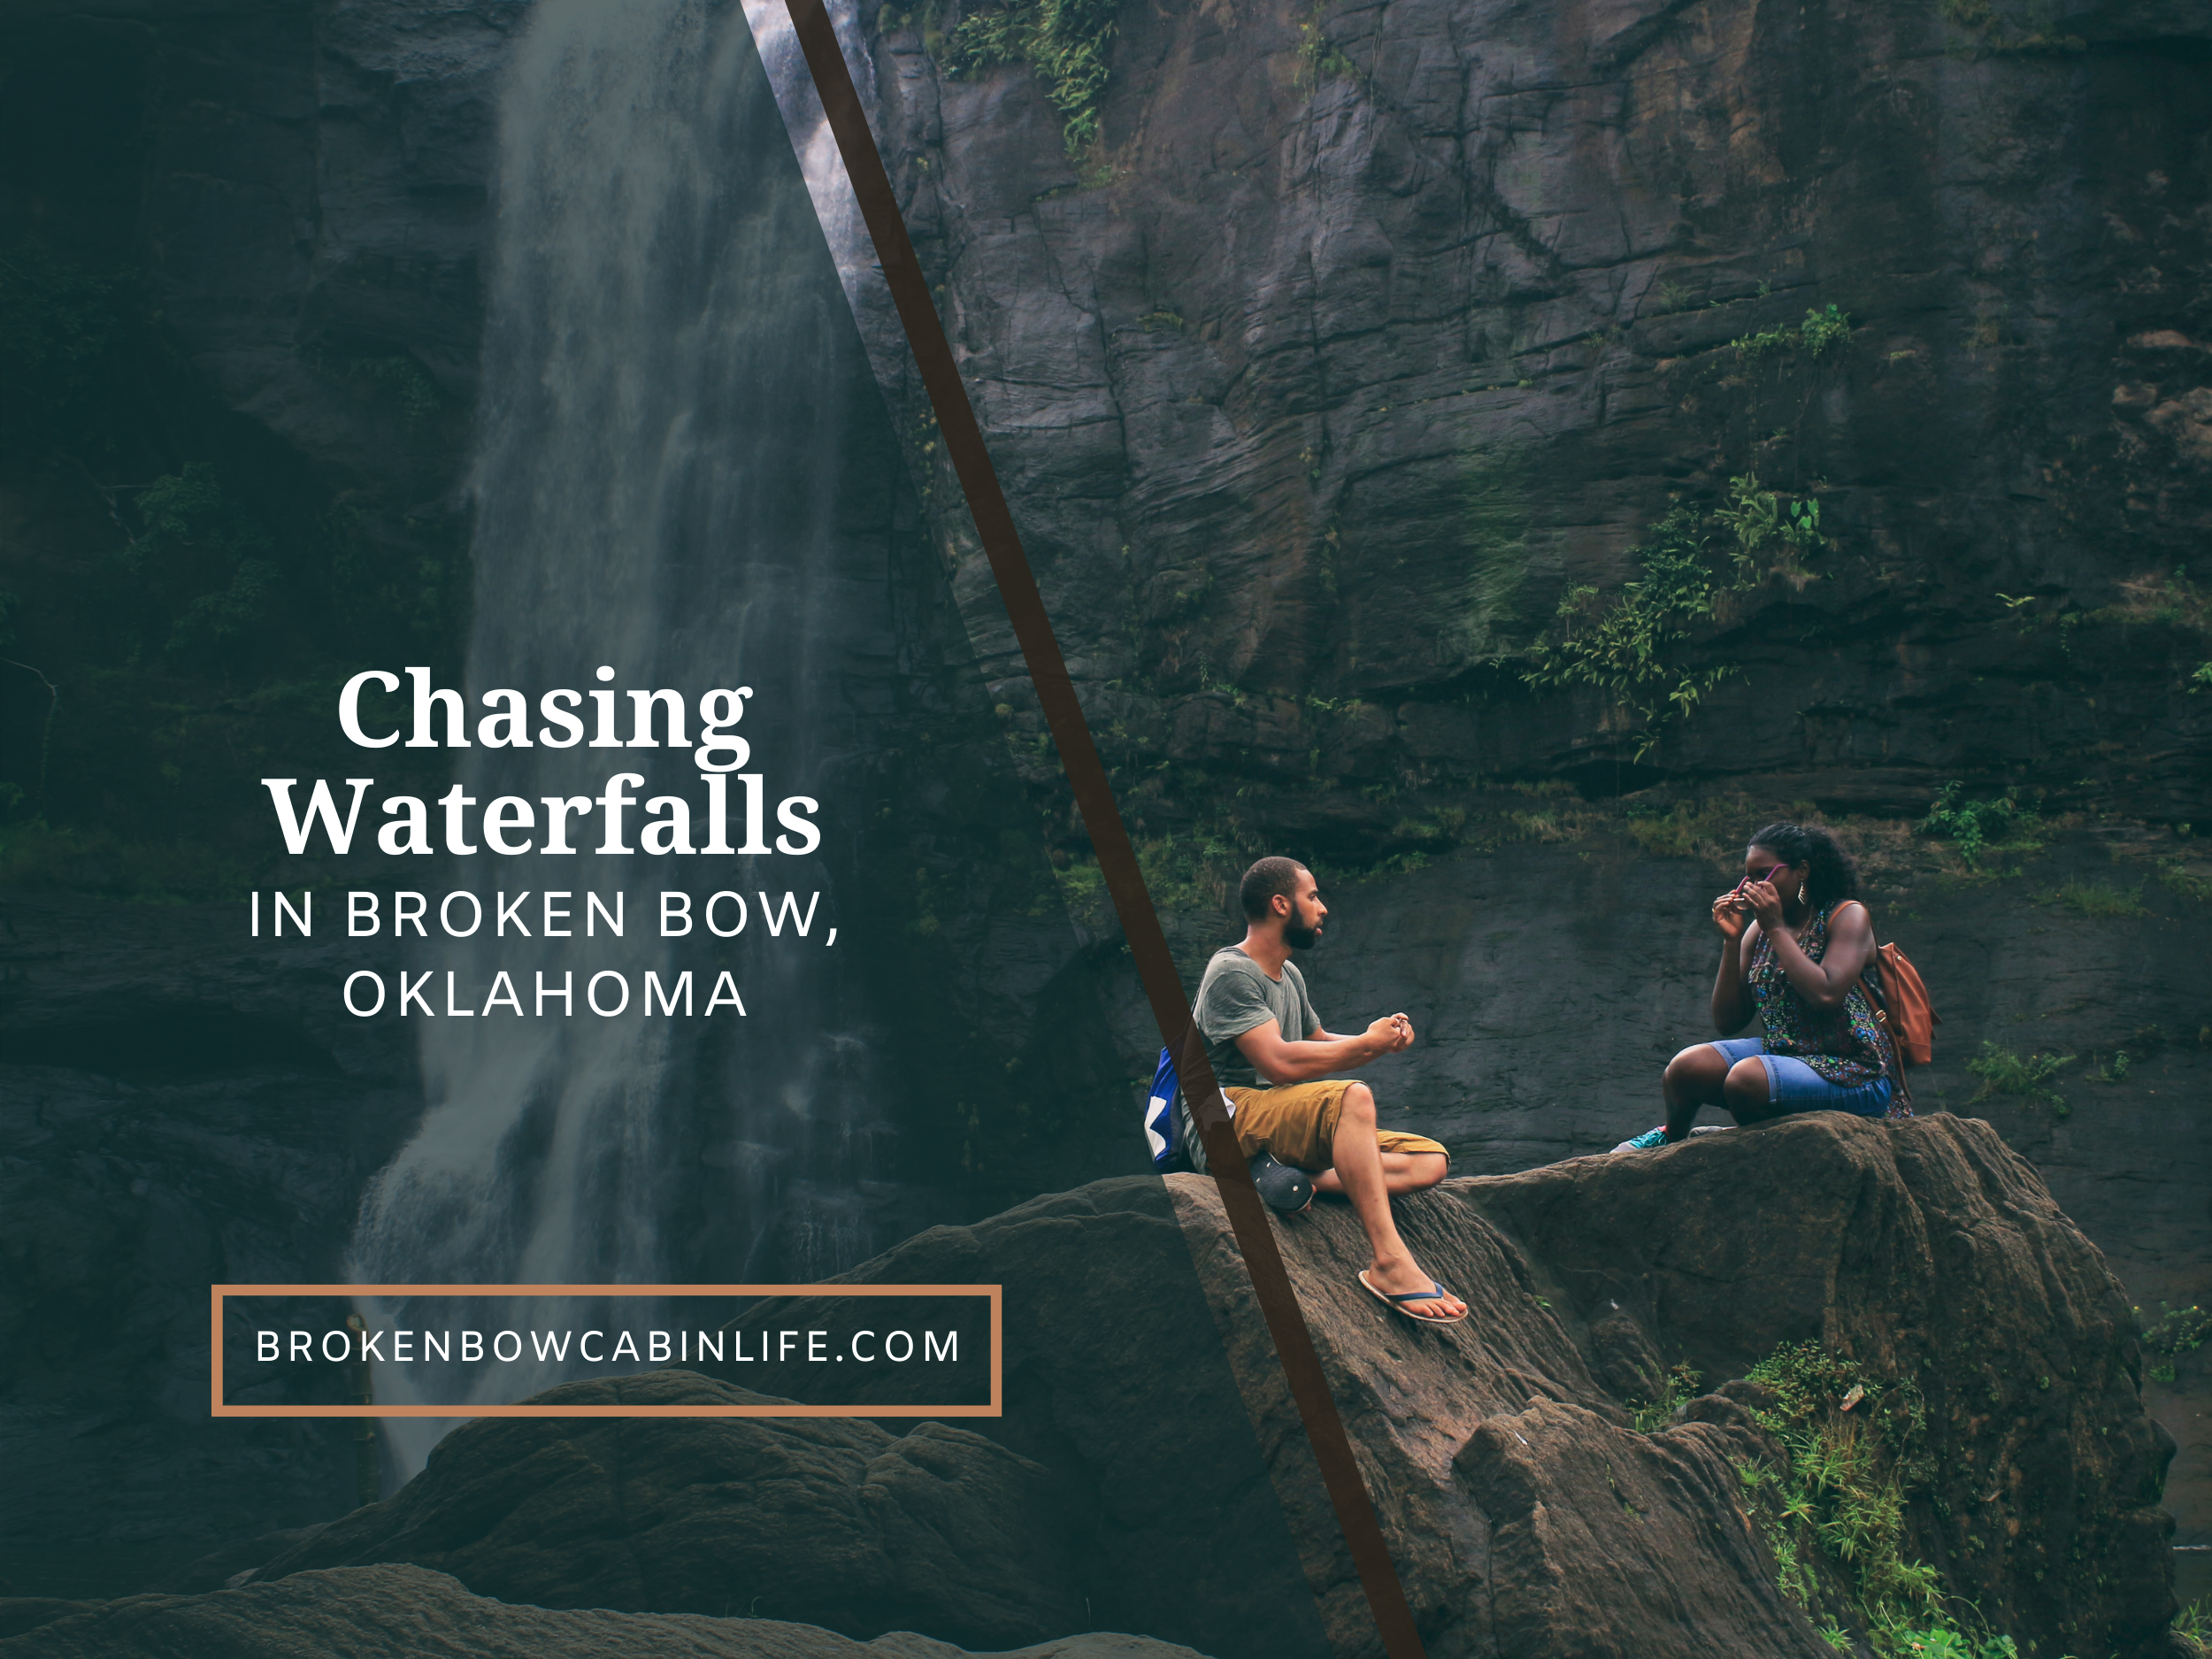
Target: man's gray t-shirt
(1236,995)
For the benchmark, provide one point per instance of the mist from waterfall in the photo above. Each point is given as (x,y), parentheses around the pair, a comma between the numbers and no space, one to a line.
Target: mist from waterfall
(673,402)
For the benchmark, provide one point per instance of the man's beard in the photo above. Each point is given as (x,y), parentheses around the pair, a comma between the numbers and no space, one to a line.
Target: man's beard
(1301,938)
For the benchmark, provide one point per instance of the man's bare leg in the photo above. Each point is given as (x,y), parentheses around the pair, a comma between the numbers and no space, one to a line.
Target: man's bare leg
(1404,1173)
(1358,1168)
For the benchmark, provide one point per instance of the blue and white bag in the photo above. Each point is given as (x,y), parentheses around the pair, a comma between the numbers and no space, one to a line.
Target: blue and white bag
(1170,1132)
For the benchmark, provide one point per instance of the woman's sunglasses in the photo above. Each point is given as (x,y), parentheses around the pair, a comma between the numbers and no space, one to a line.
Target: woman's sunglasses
(1773,870)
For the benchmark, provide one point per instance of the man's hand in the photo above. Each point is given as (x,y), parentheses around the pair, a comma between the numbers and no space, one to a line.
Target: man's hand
(1391,1034)
(1323,1053)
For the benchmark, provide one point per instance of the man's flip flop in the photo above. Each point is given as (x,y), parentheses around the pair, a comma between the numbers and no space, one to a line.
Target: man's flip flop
(1434,1293)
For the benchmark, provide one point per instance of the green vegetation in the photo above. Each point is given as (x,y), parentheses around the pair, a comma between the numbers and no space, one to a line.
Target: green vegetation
(1161,321)
(1681,1385)
(1707,828)
(2167,599)
(1976,828)
(2194,1625)
(2097,899)
(2176,1331)
(1319,58)
(2178,875)
(1943,1642)
(1188,870)
(2168,602)
(2115,1071)
(2029,1079)
(1833,1516)
(1637,644)
(1065,43)
(1821,333)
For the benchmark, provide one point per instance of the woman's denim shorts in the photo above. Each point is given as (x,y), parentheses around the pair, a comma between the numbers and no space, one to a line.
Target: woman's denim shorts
(1796,1086)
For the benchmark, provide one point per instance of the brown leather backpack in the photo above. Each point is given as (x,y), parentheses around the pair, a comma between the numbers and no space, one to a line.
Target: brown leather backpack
(1901,1002)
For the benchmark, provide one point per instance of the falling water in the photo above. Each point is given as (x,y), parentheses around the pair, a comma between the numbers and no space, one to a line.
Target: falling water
(683,473)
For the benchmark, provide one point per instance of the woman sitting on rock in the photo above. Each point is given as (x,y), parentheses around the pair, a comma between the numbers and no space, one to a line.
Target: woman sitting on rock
(1795,940)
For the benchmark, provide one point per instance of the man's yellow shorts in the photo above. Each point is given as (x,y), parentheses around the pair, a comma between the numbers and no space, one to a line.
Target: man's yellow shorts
(1297,1123)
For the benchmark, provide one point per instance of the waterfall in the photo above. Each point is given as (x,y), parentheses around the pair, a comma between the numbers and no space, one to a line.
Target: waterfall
(684,473)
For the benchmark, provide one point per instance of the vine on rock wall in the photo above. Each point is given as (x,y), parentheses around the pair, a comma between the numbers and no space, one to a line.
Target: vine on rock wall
(1637,643)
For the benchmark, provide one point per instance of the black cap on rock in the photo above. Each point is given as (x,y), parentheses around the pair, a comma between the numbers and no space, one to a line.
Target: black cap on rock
(1285,1189)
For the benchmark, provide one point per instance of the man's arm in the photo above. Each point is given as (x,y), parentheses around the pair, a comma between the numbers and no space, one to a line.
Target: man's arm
(1322,1054)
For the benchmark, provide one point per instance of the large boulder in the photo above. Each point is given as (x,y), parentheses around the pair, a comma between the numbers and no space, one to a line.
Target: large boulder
(1150,1471)
(1526,1514)
(404,1612)
(1928,1252)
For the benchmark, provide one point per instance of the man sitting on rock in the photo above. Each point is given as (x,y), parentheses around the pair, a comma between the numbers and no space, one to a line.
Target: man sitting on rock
(1273,1061)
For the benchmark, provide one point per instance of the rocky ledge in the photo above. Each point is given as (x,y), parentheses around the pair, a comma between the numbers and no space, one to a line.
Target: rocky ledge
(1615,1456)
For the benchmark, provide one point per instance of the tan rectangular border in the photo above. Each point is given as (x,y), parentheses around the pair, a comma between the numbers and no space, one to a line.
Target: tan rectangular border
(218,1292)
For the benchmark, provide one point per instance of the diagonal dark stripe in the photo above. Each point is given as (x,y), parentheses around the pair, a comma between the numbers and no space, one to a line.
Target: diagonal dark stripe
(1095,798)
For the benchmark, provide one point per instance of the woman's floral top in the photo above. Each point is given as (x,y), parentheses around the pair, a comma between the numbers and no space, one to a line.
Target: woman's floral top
(1847,1045)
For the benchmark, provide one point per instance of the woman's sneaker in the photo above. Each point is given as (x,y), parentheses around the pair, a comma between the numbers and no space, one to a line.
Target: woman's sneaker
(1646,1142)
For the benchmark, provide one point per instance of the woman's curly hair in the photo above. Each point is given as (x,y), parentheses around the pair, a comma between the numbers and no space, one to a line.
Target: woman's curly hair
(1835,876)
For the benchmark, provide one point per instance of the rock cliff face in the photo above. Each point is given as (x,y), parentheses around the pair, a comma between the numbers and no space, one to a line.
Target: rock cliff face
(1366,332)
(1525,1512)
(176,1113)
(1359,340)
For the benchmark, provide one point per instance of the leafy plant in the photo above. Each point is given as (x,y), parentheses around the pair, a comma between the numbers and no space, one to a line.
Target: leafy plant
(1974,826)
(1945,1643)
(1065,43)
(1632,643)
(2178,1331)
(2030,1078)
(1822,330)
(2182,879)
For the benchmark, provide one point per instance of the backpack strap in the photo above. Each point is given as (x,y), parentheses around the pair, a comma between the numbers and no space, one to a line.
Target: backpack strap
(1878,999)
